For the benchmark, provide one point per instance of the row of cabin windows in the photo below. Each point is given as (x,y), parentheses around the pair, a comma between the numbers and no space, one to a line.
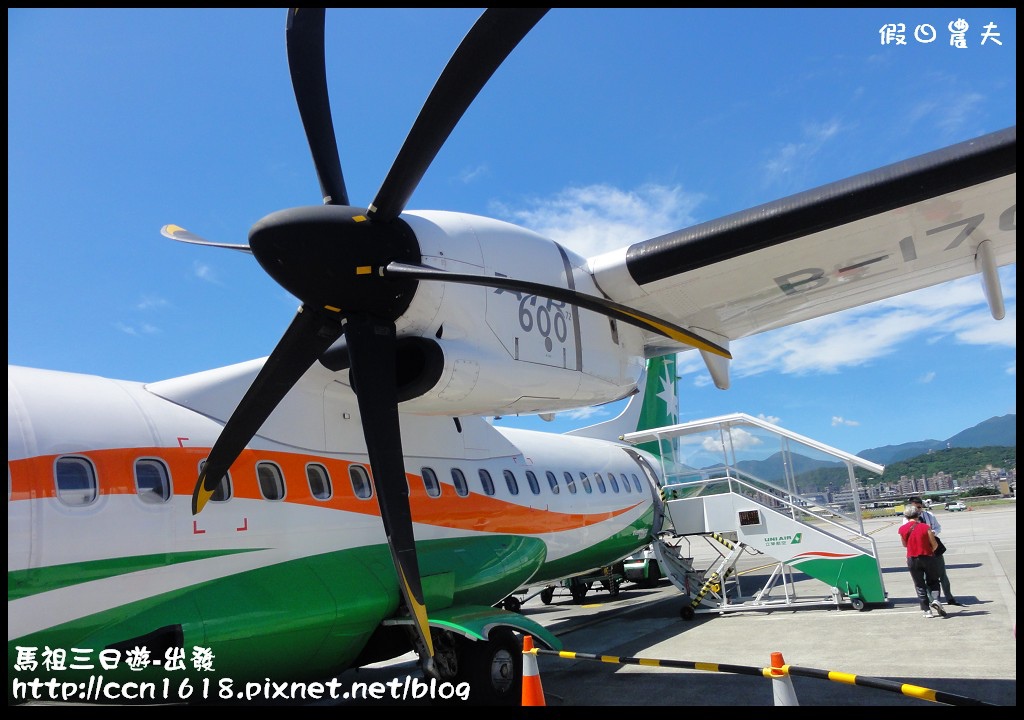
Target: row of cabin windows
(77,482)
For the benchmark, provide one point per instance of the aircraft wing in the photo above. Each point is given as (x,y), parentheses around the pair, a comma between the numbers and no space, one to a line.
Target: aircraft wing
(906,226)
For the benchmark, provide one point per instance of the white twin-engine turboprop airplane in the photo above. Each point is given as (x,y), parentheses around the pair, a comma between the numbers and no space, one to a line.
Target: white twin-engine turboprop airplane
(352,501)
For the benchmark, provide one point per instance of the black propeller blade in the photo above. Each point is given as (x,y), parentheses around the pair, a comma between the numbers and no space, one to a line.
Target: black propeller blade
(488,43)
(309,335)
(371,346)
(326,256)
(306,62)
(590,302)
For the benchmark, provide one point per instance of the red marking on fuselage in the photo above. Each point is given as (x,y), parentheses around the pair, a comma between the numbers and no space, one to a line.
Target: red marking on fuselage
(195,528)
(824,555)
(245,525)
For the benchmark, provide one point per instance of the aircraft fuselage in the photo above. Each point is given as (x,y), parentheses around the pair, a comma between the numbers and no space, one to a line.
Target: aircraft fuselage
(289,572)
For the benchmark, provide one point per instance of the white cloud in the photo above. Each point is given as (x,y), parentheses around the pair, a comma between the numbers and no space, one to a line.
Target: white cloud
(790,163)
(740,439)
(151,302)
(769,418)
(585,413)
(203,271)
(468,175)
(958,111)
(927,377)
(823,345)
(837,421)
(598,218)
(137,330)
(711,444)
(956,310)
(978,328)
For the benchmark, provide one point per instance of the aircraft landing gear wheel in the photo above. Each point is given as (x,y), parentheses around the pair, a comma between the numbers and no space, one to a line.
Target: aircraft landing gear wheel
(547,595)
(612,586)
(857,603)
(493,669)
(512,604)
(653,576)
(687,613)
(579,591)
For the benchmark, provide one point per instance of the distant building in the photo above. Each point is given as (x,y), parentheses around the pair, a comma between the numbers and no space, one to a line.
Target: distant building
(864,495)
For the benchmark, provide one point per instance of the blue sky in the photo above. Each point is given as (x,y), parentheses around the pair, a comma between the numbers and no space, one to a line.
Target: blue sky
(120,121)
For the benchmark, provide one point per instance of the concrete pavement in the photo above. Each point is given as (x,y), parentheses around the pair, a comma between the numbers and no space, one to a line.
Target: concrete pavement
(970,654)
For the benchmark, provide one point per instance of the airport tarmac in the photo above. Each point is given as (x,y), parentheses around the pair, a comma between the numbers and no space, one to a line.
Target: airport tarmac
(970,655)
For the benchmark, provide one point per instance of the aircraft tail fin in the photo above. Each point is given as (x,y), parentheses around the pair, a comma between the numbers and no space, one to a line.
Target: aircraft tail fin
(655,407)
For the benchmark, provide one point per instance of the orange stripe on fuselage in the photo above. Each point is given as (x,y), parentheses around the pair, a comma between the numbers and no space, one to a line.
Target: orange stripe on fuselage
(33,478)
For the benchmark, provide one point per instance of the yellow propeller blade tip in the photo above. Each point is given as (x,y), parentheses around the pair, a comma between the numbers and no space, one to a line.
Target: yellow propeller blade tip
(202,497)
(419,611)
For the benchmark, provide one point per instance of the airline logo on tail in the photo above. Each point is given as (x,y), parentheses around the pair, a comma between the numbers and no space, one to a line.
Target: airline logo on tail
(661,406)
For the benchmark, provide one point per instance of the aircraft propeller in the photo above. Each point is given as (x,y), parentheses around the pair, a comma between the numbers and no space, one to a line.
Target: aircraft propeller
(325,256)
(356,270)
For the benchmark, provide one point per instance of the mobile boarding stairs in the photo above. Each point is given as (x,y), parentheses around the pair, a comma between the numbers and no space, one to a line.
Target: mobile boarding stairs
(737,513)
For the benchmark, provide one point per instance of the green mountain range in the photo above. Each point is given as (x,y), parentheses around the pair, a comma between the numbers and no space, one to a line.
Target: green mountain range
(992,442)
(994,432)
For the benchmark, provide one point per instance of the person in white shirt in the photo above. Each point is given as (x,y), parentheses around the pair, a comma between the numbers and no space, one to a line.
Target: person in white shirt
(926,516)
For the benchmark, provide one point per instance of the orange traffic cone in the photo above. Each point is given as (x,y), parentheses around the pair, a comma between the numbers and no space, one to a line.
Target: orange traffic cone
(782,683)
(533,693)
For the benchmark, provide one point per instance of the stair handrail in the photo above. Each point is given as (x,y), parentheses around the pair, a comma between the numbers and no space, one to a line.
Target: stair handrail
(725,423)
(861,538)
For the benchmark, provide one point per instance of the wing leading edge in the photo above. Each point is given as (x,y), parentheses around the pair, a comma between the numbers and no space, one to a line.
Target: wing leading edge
(923,221)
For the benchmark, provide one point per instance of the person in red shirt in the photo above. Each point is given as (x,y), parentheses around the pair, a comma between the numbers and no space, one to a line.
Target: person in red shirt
(929,519)
(920,542)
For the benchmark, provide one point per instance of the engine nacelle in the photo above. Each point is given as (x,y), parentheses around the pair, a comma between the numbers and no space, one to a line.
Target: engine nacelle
(505,351)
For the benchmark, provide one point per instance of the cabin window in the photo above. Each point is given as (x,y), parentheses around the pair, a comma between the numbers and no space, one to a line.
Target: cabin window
(586,483)
(461,486)
(613,482)
(570,482)
(430,482)
(485,482)
(76,481)
(271,480)
(553,482)
(600,482)
(152,481)
(319,482)
(510,480)
(360,479)
(531,478)
(221,493)
(625,482)
(636,483)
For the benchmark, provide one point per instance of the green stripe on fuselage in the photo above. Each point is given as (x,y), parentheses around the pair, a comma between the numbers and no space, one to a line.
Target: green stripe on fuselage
(23,583)
(300,619)
(601,554)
